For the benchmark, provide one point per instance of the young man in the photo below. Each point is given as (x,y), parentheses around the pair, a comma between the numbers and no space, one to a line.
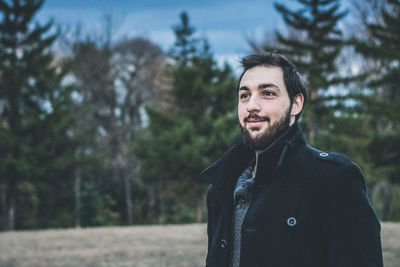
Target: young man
(276,201)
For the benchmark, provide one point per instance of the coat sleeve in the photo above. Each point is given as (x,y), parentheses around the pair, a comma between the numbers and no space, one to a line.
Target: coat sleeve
(353,229)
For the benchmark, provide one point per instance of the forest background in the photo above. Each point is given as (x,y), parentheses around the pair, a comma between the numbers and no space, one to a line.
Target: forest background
(97,132)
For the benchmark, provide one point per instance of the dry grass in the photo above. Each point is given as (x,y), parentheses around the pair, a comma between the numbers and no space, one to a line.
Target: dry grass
(391,244)
(138,246)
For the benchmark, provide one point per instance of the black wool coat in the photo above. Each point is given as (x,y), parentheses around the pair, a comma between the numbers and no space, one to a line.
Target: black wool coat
(309,208)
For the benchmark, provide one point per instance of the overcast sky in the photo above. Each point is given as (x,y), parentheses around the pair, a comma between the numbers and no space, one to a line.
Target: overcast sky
(226,24)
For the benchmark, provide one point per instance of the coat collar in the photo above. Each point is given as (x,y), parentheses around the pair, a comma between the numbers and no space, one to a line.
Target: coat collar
(223,172)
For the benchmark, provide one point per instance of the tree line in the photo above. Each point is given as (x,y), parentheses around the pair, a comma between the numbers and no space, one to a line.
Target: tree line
(117,132)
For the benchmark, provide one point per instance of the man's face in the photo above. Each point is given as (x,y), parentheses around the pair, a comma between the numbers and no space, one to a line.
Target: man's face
(264,107)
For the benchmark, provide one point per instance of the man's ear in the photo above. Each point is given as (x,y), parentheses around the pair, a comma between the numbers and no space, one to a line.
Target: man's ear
(297,104)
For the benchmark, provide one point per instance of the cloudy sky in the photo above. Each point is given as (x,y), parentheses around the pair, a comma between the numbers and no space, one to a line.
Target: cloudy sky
(225,23)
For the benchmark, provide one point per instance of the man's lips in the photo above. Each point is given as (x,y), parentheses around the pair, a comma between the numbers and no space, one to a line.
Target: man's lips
(255,121)
(255,124)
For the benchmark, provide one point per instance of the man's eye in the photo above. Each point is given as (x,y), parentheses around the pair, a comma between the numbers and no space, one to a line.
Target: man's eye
(243,96)
(268,93)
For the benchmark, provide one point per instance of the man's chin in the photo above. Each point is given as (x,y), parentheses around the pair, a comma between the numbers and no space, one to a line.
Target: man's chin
(255,133)
(253,138)
(259,138)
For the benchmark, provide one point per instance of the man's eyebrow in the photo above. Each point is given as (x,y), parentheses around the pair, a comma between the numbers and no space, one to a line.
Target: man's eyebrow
(261,86)
(268,85)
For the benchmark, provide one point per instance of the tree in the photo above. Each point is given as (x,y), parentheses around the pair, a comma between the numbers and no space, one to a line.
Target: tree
(35,119)
(138,64)
(185,45)
(199,125)
(334,118)
(115,81)
(313,43)
(383,103)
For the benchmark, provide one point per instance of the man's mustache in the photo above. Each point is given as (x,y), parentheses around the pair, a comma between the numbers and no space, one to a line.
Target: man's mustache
(256,117)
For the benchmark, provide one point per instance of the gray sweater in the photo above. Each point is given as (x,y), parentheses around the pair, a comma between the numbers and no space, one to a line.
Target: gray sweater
(242,197)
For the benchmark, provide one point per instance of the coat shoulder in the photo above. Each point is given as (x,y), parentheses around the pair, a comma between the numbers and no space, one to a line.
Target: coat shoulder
(334,158)
(328,171)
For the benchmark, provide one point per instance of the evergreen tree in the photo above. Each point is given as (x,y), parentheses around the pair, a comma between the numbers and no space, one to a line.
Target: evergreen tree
(313,43)
(198,127)
(383,104)
(36,147)
(185,45)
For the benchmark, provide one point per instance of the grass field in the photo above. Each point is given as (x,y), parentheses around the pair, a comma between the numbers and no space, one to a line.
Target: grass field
(136,246)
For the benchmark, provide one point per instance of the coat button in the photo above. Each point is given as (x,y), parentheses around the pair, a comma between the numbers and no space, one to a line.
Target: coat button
(223,243)
(291,221)
(323,154)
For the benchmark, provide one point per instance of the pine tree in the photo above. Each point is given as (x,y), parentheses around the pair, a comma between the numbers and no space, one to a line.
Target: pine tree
(313,43)
(200,126)
(384,104)
(185,45)
(34,118)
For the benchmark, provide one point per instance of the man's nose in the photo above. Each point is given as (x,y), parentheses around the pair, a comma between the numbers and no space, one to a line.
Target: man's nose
(253,105)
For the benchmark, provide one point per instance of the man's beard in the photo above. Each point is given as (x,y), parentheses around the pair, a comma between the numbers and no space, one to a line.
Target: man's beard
(270,134)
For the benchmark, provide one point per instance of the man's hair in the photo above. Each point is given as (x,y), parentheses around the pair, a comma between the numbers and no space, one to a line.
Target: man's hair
(292,78)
